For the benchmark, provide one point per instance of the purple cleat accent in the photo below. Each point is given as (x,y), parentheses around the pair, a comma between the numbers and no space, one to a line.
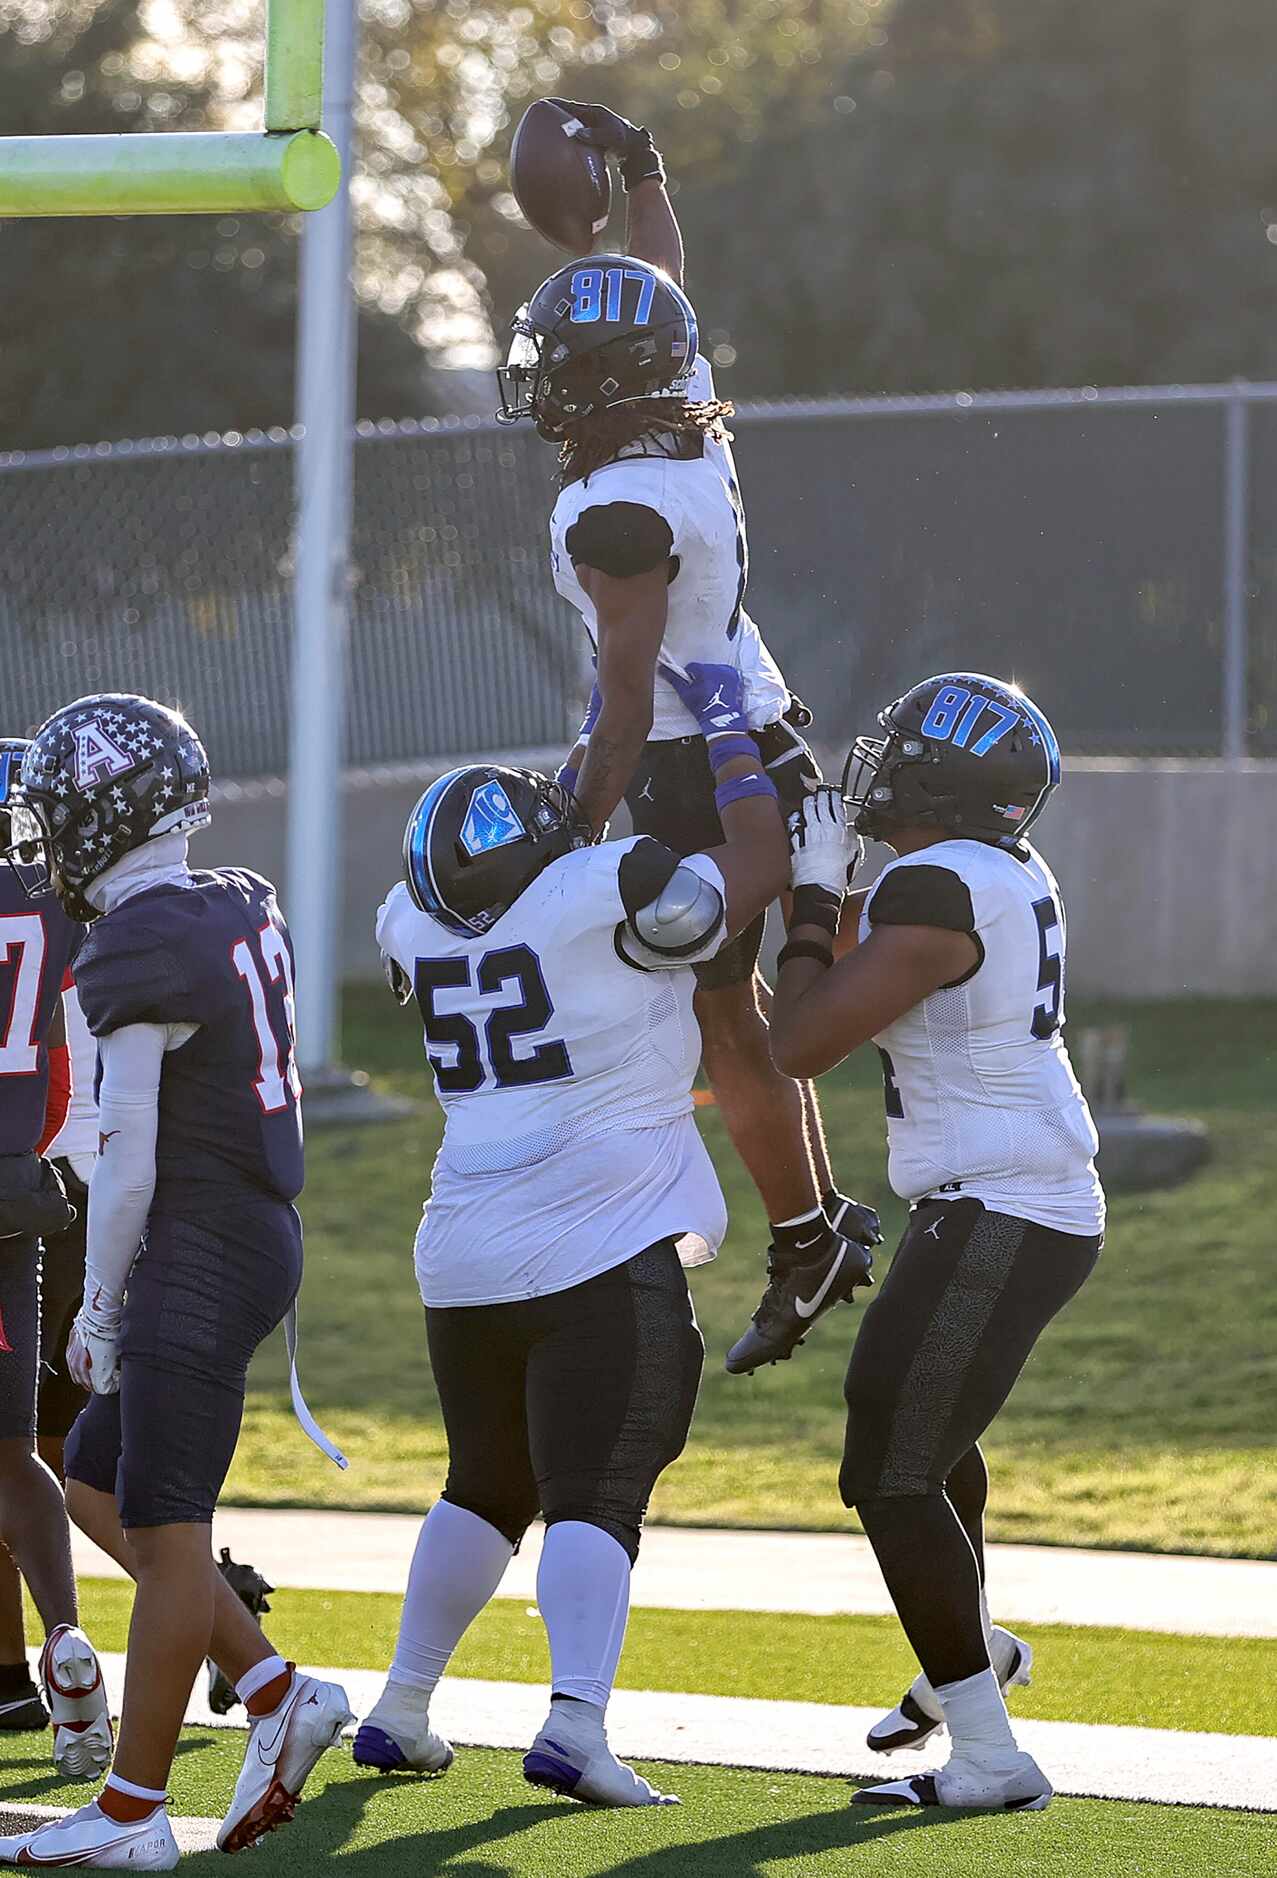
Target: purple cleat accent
(375,1748)
(551,1770)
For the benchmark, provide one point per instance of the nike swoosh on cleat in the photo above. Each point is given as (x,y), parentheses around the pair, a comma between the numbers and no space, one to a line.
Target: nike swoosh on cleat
(805,1308)
(273,1753)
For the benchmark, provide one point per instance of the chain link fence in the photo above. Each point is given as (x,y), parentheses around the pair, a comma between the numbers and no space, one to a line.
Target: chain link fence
(1109,549)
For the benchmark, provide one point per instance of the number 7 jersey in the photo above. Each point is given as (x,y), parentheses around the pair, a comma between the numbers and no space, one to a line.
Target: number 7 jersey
(211,957)
(981,1096)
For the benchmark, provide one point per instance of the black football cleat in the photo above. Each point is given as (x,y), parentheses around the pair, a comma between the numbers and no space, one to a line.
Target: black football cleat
(24,1714)
(797,1294)
(252,1591)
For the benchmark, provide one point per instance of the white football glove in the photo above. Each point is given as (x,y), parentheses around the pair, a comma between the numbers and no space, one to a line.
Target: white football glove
(824,852)
(93,1349)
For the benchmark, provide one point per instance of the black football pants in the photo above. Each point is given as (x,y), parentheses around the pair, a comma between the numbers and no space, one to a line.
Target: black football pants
(569,1404)
(968,1295)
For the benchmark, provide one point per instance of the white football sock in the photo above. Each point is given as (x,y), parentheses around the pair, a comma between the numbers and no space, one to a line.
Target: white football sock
(976,1716)
(459,1562)
(258,1677)
(583,1591)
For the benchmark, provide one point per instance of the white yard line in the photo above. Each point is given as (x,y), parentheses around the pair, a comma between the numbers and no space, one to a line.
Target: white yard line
(817,1573)
(192,1834)
(815,1738)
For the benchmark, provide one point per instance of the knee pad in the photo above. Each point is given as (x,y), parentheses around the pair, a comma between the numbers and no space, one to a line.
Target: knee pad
(507,1518)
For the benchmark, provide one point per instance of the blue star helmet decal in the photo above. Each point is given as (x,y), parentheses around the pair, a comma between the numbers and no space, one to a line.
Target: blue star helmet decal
(490,820)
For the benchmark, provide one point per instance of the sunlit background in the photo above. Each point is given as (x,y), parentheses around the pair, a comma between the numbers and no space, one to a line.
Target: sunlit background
(879,196)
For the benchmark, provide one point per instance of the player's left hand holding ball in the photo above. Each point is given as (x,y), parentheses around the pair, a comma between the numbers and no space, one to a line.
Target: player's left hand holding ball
(824,851)
(93,1349)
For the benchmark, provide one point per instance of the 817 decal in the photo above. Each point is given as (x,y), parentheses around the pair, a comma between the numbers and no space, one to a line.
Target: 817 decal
(598,294)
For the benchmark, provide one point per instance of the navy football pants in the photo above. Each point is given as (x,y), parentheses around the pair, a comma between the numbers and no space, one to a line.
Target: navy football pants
(201,1298)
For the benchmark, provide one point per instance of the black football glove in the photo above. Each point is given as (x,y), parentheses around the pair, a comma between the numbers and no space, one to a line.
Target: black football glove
(789,761)
(854,1221)
(33,1201)
(631,144)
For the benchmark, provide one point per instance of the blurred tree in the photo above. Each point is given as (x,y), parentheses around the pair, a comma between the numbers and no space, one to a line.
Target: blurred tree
(879,195)
(1004,193)
(148,325)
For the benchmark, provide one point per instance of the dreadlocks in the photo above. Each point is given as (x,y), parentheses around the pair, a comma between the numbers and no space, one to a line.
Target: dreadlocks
(588,443)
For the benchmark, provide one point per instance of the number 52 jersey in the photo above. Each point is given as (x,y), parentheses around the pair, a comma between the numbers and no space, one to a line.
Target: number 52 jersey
(565,1076)
(211,957)
(980,1093)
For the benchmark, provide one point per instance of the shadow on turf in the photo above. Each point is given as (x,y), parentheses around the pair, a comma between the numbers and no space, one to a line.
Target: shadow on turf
(49,1781)
(335,1814)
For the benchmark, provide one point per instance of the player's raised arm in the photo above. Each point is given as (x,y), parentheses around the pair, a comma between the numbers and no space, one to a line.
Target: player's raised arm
(631,613)
(651,229)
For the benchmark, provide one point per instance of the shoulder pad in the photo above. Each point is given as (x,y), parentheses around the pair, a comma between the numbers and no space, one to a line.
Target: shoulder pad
(620,538)
(681,921)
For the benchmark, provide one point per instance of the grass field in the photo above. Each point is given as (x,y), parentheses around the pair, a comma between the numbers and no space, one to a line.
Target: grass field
(1134,1679)
(483,1821)
(1144,1420)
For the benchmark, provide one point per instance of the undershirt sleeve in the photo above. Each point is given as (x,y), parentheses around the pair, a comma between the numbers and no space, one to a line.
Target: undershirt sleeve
(124,1177)
(621,538)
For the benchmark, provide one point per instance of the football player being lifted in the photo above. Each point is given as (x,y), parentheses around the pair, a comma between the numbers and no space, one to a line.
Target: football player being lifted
(193,1251)
(648,543)
(37,943)
(956,971)
(554,979)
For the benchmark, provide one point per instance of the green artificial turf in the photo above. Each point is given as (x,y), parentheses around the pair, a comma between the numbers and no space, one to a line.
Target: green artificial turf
(1144,1419)
(1138,1679)
(482,1820)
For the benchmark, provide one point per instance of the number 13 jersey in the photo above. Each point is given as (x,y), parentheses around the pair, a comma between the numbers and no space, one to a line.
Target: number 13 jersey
(565,1075)
(211,956)
(981,1096)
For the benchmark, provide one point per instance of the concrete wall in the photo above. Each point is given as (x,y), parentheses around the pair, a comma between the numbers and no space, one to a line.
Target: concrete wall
(1169,868)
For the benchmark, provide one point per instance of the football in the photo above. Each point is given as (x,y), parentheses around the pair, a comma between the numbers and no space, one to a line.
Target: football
(561,184)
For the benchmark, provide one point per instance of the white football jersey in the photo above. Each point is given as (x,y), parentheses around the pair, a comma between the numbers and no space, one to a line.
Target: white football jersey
(981,1096)
(700,501)
(565,1077)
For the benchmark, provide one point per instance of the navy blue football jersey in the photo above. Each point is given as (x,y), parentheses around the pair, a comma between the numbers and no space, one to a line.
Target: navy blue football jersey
(37,943)
(215,953)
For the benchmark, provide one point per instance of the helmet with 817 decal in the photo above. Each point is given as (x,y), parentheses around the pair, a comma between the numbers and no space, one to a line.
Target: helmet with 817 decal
(970,754)
(603,331)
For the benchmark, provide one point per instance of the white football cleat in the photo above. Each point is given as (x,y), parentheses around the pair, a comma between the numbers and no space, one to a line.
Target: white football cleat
(571,1756)
(89,1839)
(283,1748)
(1013,1783)
(71,1678)
(919,1714)
(398,1735)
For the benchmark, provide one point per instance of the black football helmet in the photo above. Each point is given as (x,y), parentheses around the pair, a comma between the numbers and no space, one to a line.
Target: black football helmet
(480,835)
(966,753)
(102,777)
(25,856)
(605,330)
